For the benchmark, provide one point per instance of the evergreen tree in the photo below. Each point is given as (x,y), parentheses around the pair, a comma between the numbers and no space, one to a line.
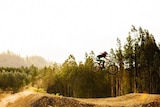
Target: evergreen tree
(119,57)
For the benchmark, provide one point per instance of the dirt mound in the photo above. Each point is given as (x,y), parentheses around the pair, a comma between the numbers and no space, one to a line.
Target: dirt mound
(32,99)
(59,102)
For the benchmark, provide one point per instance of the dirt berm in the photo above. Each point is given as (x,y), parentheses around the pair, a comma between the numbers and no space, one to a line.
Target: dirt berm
(33,99)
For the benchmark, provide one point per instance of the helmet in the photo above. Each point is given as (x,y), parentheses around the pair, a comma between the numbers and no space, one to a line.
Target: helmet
(105,52)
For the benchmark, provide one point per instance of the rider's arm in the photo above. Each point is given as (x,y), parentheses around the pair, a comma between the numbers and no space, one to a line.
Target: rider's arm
(106,58)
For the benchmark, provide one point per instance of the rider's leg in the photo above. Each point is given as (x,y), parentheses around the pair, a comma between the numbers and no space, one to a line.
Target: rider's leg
(98,59)
(103,63)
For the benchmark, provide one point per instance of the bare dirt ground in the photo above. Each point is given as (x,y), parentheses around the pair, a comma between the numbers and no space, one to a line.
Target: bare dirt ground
(33,99)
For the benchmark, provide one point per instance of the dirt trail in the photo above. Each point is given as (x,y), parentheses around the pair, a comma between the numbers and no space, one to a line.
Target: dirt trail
(130,100)
(9,99)
(33,99)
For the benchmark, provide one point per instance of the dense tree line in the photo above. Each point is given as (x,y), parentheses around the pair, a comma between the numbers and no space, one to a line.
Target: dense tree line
(138,64)
(79,80)
(143,57)
(13,79)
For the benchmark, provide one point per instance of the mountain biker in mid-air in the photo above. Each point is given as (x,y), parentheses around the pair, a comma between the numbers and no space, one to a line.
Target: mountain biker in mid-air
(101,56)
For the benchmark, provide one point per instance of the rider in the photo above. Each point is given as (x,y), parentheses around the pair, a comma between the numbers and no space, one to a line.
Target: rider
(100,56)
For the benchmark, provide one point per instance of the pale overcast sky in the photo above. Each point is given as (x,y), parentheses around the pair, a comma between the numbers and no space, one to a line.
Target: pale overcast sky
(54,29)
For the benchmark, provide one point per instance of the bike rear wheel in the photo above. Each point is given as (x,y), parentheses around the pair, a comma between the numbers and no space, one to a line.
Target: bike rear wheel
(112,69)
(96,67)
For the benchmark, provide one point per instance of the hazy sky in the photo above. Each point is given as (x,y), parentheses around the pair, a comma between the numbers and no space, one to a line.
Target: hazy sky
(54,29)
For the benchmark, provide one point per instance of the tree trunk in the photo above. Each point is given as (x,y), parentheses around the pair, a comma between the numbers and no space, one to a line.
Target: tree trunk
(117,86)
(113,93)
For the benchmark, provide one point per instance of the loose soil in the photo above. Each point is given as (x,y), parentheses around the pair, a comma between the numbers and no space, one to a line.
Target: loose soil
(34,99)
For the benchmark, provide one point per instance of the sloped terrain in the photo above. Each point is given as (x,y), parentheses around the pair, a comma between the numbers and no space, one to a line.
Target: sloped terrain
(10,59)
(33,99)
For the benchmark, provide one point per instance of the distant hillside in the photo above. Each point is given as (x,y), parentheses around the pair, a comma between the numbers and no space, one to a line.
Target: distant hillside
(9,59)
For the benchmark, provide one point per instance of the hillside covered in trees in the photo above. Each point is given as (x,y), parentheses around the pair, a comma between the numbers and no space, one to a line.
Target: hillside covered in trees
(10,59)
(138,64)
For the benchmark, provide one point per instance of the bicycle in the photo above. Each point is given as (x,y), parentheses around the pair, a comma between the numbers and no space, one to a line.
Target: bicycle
(110,67)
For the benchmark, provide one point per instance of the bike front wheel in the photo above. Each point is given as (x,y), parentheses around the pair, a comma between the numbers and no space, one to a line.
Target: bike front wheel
(96,67)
